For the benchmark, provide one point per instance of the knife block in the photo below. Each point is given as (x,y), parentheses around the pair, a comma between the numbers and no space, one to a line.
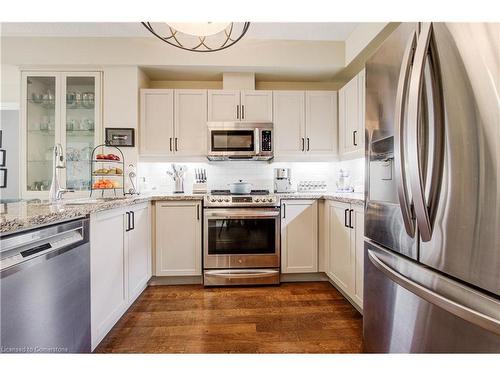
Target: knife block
(199,188)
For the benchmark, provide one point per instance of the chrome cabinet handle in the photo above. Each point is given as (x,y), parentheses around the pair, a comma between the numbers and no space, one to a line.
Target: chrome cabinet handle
(345,218)
(176,144)
(284,211)
(350,218)
(243,111)
(303,144)
(354,137)
(198,212)
(425,211)
(170,140)
(238,111)
(400,136)
(308,148)
(425,291)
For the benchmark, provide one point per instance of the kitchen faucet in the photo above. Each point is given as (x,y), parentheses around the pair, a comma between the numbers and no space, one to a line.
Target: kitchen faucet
(56,192)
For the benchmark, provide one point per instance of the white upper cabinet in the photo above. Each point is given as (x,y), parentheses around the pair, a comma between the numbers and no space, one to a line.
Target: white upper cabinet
(223,105)
(236,105)
(289,122)
(157,120)
(351,117)
(173,123)
(190,122)
(299,236)
(321,122)
(58,107)
(256,106)
(305,123)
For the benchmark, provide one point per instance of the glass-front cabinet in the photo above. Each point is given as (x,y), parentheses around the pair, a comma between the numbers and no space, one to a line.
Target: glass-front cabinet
(59,107)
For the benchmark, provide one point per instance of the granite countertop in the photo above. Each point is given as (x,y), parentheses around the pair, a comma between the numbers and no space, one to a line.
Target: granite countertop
(23,215)
(353,198)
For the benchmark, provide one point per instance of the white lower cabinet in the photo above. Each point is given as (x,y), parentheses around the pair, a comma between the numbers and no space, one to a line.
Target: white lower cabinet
(120,256)
(139,251)
(178,238)
(299,236)
(344,230)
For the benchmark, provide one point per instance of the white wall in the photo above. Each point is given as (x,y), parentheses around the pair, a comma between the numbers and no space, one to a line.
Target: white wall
(10,86)
(260,174)
(308,57)
(121,86)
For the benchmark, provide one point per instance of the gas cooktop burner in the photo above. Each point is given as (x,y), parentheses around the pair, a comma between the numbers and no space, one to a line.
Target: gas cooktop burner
(256,198)
(227,192)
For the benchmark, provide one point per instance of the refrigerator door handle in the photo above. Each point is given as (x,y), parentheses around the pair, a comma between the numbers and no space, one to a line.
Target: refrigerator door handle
(399,135)
(482,310)
(425,52)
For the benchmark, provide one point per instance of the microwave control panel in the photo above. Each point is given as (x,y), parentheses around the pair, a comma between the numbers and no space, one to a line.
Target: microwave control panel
(266,140)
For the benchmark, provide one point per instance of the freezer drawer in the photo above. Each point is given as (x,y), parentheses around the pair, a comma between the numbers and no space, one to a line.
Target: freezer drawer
(410,309)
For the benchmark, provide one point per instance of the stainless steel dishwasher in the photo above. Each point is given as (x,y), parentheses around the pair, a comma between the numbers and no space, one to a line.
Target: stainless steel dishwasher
(45,289)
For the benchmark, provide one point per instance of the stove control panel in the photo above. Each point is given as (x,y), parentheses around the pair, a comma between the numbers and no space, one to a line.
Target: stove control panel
(238,201)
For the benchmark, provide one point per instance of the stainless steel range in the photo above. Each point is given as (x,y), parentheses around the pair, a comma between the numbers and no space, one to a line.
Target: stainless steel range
(241,238)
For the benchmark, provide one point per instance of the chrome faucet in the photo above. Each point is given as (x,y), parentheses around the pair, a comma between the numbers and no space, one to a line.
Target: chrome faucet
(56,192)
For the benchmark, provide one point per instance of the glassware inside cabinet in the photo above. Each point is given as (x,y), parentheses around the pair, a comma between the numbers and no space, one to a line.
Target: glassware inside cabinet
(40,126)
(80,130)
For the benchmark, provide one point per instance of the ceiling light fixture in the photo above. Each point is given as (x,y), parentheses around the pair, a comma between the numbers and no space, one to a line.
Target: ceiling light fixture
(200,36)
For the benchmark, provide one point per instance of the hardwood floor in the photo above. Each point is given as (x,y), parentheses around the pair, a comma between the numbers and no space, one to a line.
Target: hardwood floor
(291,318)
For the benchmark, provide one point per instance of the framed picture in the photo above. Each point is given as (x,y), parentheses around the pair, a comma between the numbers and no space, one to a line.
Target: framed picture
(3,155)
(121,137)
(3,177)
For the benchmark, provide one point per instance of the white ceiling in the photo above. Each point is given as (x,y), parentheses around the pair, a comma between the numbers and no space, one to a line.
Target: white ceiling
(317,31)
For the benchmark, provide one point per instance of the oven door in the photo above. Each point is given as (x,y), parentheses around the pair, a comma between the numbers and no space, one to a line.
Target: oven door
(241,238)
(233,143)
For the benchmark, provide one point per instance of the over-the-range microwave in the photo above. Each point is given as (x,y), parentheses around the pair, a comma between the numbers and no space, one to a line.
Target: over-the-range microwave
(240,141)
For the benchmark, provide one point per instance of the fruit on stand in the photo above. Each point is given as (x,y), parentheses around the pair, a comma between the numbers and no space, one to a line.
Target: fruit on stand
(108,171)
(105,184)
(101,171)
(112,157)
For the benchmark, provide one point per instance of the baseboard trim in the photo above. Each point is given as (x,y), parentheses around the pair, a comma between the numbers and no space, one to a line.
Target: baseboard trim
(302,277)
(351,301)
(176,280)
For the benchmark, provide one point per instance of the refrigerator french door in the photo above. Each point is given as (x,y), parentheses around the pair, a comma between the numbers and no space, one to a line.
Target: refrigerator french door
(432,252)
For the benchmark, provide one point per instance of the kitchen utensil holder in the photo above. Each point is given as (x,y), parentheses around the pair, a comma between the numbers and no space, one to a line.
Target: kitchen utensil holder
(179,184)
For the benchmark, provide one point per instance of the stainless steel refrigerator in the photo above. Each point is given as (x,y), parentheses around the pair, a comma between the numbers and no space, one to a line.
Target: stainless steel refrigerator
(432,219)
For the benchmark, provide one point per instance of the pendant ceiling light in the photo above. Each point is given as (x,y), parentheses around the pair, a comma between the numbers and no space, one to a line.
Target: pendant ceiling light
(200,36)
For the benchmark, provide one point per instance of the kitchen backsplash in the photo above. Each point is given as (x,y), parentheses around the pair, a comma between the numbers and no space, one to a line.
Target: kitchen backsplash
(153,176)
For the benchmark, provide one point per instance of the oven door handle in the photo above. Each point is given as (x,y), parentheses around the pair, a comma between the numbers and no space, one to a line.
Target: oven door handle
(242,214)
(249,273)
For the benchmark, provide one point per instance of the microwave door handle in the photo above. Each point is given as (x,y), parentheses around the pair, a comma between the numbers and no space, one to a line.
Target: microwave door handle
(256,137)
(400,135)
(425,211)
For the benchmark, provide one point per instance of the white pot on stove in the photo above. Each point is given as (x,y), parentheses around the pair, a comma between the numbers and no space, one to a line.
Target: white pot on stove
(240,187)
